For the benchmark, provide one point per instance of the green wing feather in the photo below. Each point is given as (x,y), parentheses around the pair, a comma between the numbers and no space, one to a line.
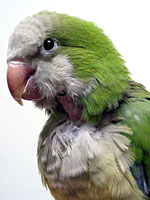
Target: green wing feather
(136,114)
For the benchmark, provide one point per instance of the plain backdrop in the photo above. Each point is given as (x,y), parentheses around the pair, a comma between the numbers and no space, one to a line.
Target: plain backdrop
(126,22)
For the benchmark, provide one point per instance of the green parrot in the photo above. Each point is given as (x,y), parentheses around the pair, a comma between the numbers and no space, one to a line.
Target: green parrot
(95,144)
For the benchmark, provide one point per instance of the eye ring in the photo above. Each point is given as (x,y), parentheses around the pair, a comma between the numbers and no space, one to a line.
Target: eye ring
(49,45)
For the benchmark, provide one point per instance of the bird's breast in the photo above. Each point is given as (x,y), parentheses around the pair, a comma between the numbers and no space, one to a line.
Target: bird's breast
(78,162)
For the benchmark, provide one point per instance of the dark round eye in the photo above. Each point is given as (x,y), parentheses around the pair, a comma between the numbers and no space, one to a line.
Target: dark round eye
(49,44)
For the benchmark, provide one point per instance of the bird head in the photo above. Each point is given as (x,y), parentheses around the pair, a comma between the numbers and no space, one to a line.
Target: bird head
(60,61)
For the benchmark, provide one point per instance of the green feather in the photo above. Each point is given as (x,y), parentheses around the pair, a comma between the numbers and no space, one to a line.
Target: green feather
(136,114)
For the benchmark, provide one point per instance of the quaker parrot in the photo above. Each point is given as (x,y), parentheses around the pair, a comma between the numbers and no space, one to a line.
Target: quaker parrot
(95,144)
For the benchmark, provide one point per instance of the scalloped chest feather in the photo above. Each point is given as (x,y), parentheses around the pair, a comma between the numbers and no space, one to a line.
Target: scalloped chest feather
(78,162)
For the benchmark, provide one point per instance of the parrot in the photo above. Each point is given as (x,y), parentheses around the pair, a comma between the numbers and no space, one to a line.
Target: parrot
(95,144)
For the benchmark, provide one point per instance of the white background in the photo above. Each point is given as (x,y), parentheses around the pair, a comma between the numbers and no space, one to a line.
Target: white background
(126,22)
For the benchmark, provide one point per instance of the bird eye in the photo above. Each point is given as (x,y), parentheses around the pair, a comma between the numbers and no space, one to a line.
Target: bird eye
(49,45)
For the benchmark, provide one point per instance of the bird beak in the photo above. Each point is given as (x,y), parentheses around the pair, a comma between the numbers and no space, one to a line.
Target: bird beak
(20,81)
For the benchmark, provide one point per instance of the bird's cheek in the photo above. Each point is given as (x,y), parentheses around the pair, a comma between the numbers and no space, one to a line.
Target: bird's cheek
(21,82)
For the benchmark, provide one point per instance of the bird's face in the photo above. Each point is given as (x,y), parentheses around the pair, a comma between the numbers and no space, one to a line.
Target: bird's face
(39,67)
